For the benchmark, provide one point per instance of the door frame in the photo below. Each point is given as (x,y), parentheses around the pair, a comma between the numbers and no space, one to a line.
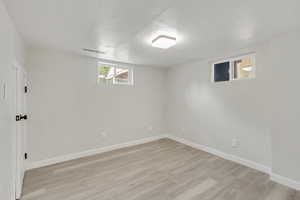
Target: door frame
(18,182)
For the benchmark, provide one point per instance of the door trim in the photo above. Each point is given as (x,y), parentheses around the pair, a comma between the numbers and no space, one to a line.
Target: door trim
(18,184)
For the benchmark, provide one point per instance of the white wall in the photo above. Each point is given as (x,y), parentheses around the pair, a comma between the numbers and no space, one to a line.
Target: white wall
(262,114)
(214,114)
(10,51)
(284,57)
(69,111)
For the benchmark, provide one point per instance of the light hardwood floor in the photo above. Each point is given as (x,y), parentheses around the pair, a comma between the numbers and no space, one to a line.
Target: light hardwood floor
(160,170)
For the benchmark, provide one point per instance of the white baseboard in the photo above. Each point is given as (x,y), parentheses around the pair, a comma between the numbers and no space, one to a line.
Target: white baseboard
(260,167)
(285,181)
(242,161)
(274,177)
(59,159)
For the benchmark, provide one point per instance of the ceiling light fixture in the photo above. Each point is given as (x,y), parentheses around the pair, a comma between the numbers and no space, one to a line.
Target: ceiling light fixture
(163,42)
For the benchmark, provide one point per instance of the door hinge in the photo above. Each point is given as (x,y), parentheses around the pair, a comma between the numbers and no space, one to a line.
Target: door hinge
(25,156)
(25,89)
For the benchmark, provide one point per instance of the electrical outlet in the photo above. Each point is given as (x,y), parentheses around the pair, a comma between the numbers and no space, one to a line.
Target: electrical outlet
(235,143)
(150,128)
(104,134)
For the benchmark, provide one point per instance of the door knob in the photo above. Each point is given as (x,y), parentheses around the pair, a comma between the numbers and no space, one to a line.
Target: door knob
(23,117)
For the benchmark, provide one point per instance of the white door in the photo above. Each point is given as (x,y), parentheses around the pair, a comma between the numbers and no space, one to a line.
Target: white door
(21,117)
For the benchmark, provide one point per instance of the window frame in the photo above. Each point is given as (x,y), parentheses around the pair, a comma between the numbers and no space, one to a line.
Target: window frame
(231,67)
(115,66)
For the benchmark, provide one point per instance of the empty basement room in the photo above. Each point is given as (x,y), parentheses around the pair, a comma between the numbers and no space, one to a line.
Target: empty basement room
(149,100)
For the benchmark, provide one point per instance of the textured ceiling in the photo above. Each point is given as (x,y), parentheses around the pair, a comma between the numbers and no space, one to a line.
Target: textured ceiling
(124,29)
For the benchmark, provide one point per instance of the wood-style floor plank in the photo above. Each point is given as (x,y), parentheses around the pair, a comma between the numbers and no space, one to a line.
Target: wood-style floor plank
(160,170)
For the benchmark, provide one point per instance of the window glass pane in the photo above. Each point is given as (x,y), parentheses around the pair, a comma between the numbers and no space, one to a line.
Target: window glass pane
(243,68)
(221,72)
(122,75)
(105,74)
(114,74)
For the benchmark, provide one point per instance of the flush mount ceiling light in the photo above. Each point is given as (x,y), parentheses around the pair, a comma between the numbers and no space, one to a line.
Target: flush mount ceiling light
(164,42)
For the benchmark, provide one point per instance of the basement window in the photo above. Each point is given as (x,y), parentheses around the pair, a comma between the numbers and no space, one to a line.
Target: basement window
(114,74)
(238,68)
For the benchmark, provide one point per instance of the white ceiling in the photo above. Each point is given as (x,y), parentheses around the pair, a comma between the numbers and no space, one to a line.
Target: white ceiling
(124,28)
